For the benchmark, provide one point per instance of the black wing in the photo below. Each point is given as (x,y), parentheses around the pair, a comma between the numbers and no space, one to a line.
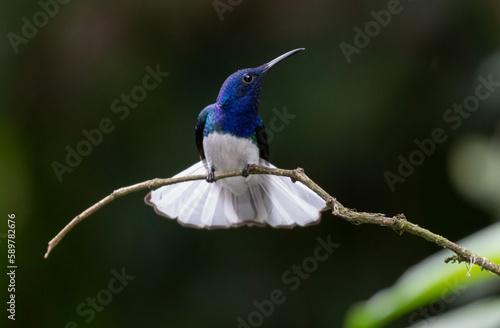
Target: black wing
(262,143)
(200,126)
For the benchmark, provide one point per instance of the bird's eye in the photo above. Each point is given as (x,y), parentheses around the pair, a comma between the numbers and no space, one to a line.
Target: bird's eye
(247,78)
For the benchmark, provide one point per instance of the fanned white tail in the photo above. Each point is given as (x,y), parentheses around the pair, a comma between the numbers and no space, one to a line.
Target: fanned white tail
(259,200)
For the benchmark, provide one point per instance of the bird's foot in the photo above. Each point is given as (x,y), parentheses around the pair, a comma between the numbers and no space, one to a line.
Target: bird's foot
(244,172)
(211,176)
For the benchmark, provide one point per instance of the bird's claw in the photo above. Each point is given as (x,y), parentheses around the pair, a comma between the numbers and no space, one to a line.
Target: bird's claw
(244,172)
(211,176)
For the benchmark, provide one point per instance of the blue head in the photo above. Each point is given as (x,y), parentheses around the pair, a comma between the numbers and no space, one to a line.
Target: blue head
(239,97)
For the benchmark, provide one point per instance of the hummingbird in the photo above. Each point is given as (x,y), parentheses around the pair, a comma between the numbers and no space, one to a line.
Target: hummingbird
(230,135)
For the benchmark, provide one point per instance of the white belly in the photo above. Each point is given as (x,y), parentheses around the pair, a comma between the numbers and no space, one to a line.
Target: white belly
(225,152)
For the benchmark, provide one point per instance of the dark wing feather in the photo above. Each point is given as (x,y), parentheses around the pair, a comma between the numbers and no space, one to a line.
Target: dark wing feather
(262,143)
(200,126)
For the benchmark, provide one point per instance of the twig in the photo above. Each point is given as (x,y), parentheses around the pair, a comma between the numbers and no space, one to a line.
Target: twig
(397,223)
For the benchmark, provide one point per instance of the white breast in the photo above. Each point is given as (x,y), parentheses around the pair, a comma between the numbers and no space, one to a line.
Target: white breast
(225,152)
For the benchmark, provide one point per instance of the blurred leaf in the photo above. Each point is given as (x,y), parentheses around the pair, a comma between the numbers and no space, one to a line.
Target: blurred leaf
(480,314)
(475,171)
(428,281)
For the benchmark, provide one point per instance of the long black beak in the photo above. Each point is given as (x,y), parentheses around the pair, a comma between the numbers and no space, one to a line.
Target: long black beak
(280,58)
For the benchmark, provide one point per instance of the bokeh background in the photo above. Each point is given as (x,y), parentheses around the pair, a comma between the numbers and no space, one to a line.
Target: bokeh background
(352,122)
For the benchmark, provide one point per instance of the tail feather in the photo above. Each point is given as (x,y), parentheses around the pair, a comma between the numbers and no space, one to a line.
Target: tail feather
(291,204)
(268,199)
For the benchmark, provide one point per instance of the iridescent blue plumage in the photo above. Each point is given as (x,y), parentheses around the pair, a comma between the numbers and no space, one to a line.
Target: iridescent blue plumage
(237,108)
(236,111)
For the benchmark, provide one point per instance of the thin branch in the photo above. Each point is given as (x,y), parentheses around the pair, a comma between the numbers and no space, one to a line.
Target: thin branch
(397,223)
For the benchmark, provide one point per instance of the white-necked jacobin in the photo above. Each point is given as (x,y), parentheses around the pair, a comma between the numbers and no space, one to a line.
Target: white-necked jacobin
(230,135)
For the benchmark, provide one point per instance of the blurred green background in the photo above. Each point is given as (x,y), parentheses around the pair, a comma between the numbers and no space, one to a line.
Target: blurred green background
(352,122)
